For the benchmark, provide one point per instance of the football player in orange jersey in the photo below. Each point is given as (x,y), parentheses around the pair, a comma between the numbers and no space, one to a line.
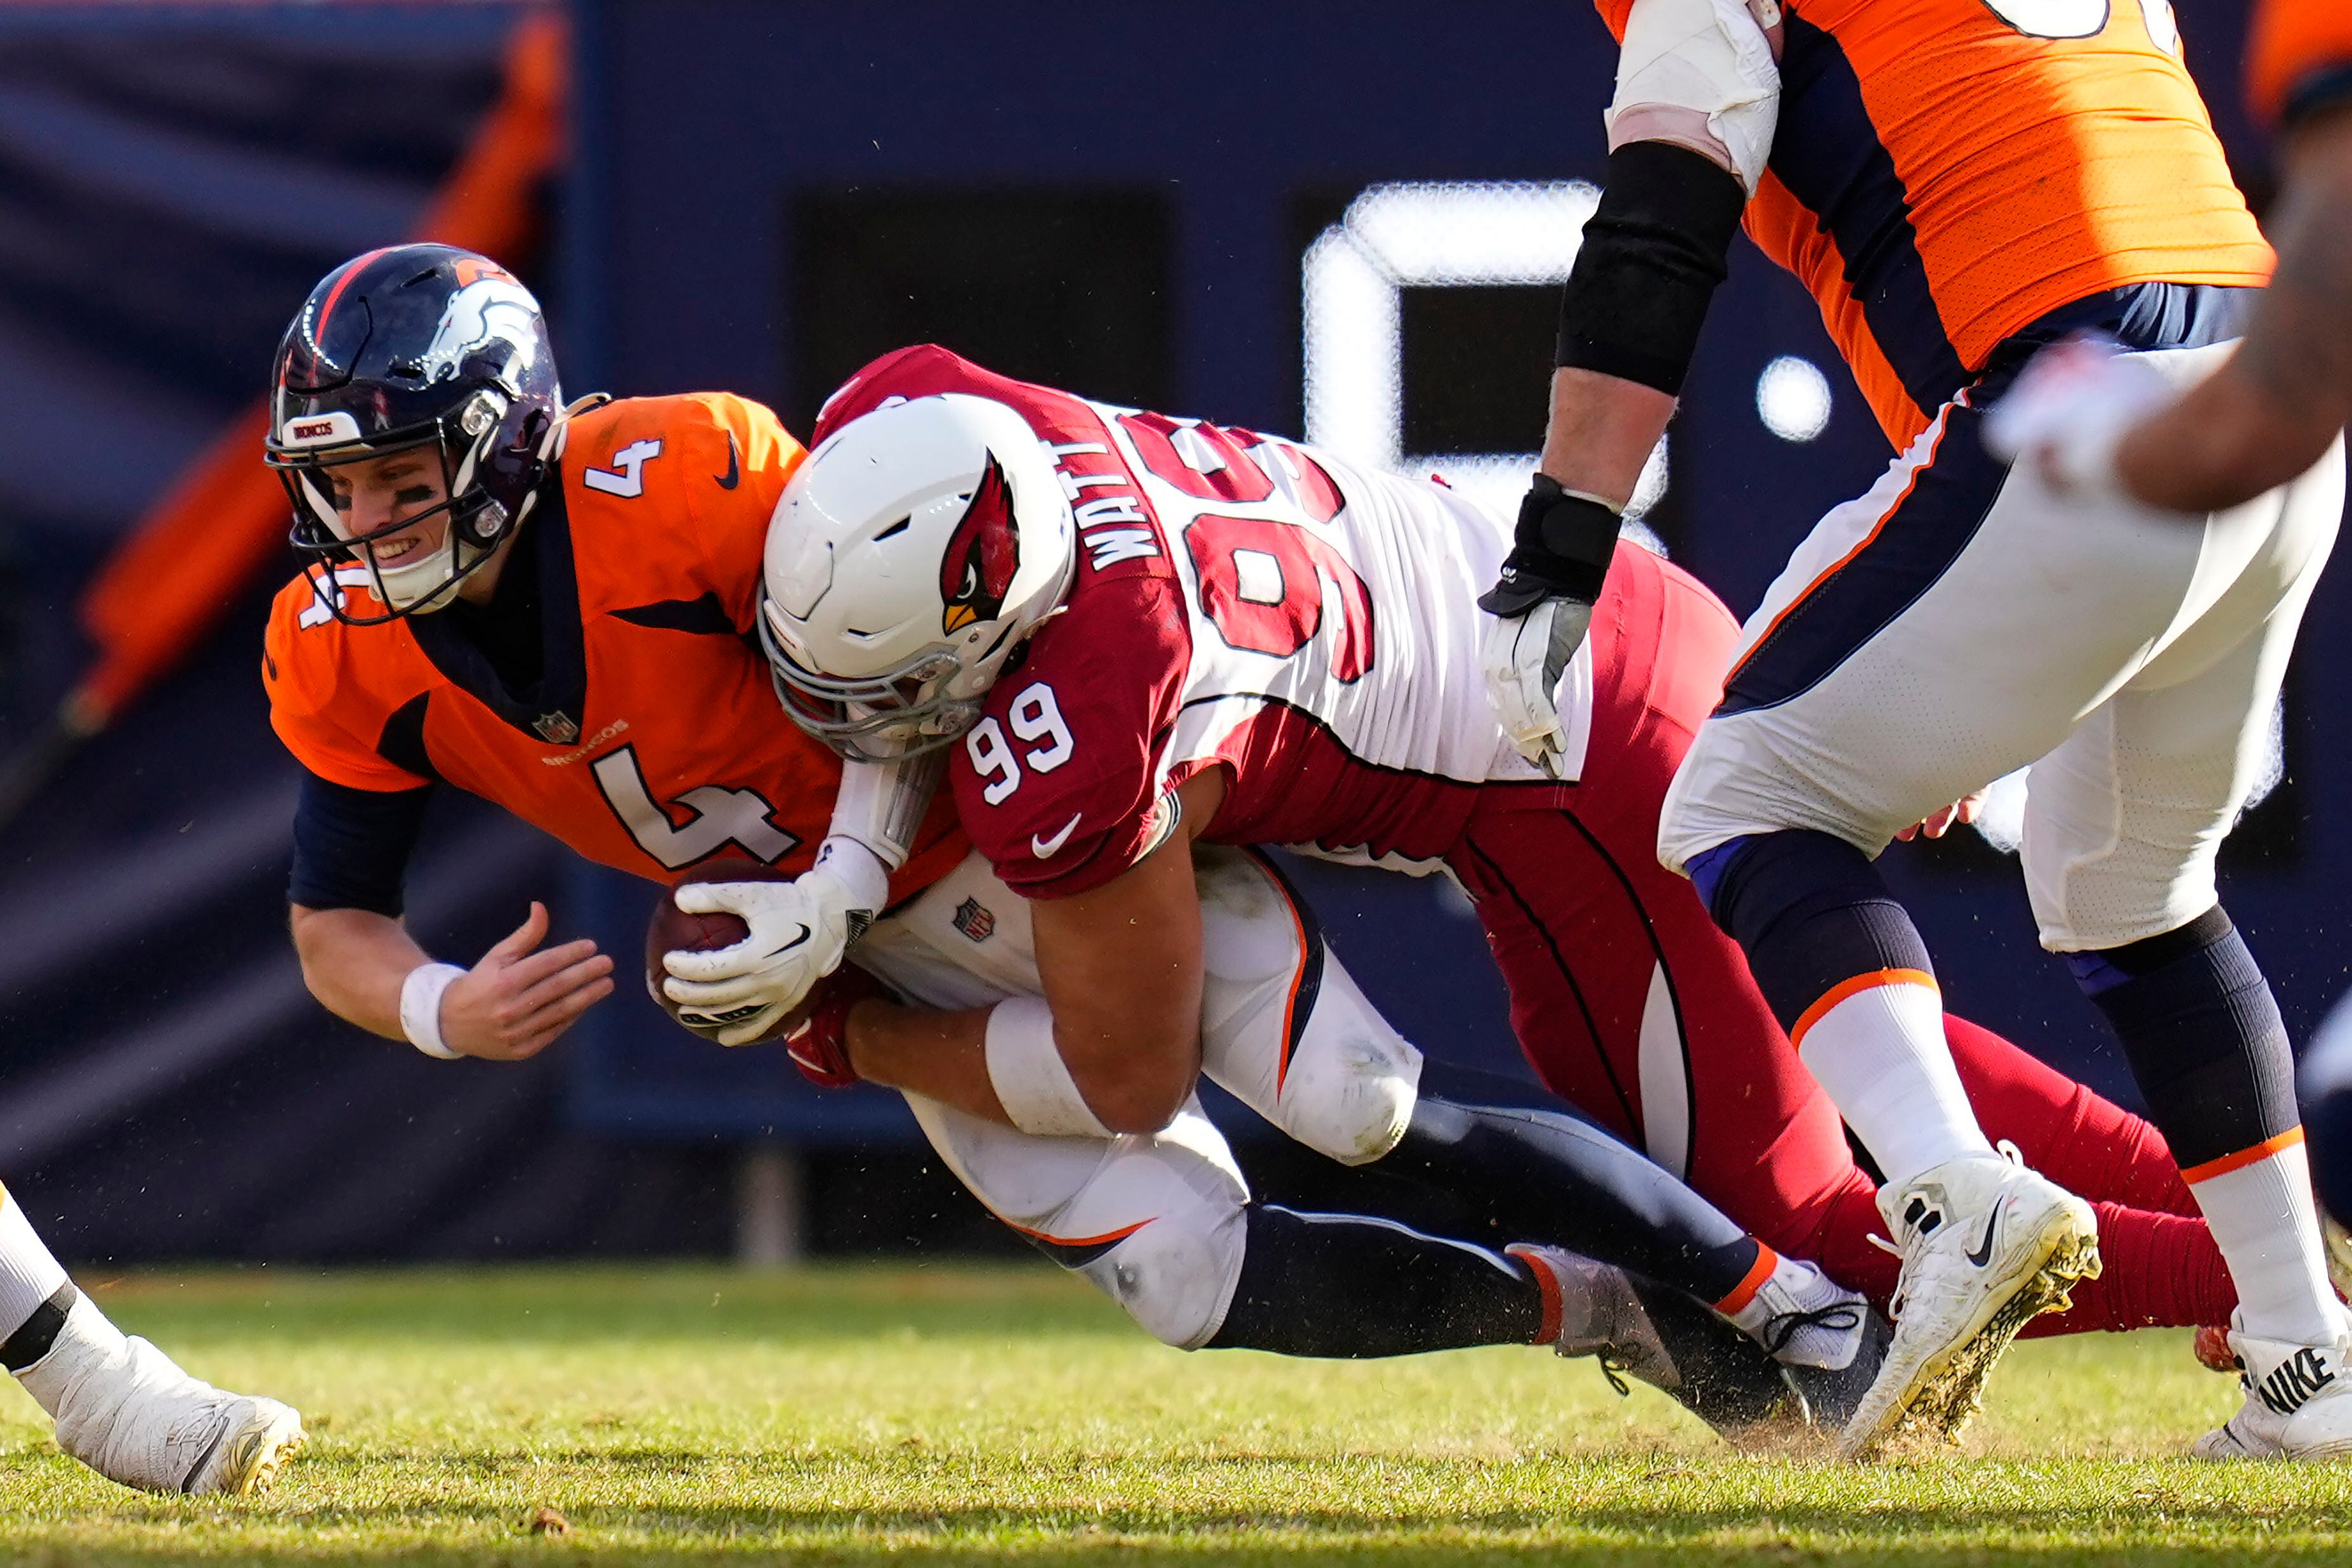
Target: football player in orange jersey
(539,605)
(552,607)
(1960,182)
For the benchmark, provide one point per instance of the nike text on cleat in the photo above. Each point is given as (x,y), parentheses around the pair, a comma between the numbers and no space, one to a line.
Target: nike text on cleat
(1045,848)
(1987,1245)
(2298,1403)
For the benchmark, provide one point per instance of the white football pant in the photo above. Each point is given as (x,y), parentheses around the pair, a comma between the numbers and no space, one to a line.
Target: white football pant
(1961,621)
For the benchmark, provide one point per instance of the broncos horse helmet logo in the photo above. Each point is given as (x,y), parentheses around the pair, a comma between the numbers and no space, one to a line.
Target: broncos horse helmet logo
(491,307)
(982,553)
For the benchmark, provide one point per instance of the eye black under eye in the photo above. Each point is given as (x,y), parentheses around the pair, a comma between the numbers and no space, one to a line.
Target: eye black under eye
(413,495)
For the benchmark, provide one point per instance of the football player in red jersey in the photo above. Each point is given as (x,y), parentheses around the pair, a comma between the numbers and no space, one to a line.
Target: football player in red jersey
(550,607)
(1959,183)
(1131,631)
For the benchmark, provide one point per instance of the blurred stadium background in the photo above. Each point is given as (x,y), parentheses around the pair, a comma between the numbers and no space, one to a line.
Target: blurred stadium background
(1346,222)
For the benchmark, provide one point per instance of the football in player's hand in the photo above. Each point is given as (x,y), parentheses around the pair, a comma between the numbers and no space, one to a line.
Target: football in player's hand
(672,928)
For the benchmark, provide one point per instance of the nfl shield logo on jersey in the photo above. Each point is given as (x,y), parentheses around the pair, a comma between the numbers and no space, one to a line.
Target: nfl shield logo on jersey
(556,728)
(974,921)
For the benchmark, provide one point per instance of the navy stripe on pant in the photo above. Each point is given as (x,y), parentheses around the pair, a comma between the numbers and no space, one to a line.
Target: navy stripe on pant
(1906,555)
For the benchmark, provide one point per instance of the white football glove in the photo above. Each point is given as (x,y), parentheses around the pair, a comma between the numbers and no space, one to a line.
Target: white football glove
(2068,412)
(800,931)
(1523,657)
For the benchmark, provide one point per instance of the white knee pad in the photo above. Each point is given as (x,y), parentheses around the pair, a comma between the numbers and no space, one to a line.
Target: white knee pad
(1176,1276)
(1155,1221)
(1700,74)
(1284,1027)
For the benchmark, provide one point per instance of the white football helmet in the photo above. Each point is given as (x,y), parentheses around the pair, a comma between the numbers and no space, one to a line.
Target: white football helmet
(907,559)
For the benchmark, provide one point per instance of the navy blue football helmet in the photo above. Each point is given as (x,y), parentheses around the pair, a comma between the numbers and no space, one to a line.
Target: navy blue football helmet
(414,346)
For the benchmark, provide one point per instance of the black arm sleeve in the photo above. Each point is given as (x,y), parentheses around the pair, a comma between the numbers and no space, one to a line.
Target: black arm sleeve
(352,846)
(1653,251)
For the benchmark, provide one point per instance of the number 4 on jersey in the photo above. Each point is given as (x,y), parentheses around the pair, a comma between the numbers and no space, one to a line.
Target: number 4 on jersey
(720,816)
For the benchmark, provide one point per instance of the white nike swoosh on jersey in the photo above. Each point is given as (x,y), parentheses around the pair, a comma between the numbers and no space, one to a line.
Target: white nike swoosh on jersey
(1046,848)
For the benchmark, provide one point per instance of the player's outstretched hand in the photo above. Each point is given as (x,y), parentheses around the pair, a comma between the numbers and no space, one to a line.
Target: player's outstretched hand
(2069,410)
(515,1001)
(800,929)
(1523,657)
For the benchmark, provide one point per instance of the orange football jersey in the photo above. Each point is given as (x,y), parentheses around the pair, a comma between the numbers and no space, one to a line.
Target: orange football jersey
(1947,171)
(2299,48)
(653,740)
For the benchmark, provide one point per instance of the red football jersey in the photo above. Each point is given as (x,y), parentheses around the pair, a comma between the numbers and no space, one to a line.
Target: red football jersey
(1239,600)
(653,740)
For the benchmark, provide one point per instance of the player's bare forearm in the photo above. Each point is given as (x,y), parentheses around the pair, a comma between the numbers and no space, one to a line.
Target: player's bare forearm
(355,961)
(942,1055)
(2271,411)
(1121,970)
(1601,432)
(512,1005)
(1122,967)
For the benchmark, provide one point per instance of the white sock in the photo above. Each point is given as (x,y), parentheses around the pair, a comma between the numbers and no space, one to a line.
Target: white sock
(2258,1206)
(1879,1052)
(29,1275)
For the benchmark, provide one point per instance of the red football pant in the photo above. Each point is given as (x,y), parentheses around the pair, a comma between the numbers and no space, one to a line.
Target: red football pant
(1635,1007)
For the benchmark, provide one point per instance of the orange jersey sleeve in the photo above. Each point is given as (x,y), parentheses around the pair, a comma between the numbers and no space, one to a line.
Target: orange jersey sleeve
(320,708)
(2299,57)
(1944,174)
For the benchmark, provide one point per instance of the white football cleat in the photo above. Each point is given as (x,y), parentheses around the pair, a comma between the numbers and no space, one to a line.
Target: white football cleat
(126,1410)
(1986,1246)
(2298,1403)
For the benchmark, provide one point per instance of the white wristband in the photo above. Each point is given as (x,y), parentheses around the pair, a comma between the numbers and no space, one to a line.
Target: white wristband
(1032,1084)
(420,1008)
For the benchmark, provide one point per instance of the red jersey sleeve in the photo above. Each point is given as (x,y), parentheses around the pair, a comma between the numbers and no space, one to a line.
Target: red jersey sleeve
(1059,784)
(2299,58)
(329,724)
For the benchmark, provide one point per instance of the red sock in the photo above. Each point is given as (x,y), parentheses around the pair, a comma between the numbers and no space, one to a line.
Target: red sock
(2161,1270)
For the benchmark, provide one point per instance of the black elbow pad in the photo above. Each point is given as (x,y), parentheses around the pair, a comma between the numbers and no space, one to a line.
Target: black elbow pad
(1653,251)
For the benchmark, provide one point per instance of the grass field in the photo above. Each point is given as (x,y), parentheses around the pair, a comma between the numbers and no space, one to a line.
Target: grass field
(950,1415)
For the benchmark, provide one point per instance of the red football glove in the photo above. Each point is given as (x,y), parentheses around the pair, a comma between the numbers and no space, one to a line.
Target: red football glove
(820,1046)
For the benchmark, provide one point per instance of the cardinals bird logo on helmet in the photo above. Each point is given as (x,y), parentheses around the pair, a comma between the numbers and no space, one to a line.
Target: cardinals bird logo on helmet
(982,555)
